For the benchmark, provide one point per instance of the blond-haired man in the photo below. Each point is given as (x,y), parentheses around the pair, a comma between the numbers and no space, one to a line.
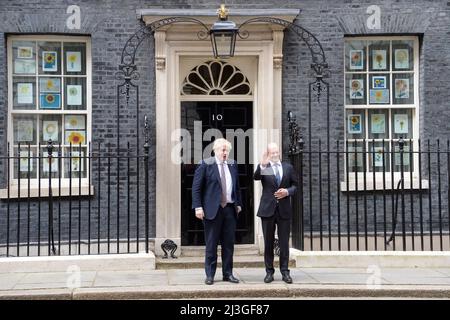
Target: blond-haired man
(216,198)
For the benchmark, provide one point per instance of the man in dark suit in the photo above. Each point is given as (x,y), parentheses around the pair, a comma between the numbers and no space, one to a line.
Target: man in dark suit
(216,199)
(279,182)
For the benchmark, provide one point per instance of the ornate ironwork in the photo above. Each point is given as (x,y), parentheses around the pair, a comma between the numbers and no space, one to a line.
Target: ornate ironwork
(319,86)
(319,65)
(127,65)
(51,237)
(127,68)
(169,245)
(146,133)
(294,135)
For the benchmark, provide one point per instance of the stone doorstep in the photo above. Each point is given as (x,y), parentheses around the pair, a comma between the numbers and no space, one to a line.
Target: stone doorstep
(239,250)
(245,261)
(364,259)
(106,262)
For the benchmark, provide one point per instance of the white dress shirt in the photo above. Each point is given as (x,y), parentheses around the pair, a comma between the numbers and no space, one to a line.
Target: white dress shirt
(280,168)
(227,177)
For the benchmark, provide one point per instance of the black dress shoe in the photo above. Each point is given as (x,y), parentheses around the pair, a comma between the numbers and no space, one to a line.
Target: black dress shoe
(287,278)
(231,279)
(209,281)
(268,278)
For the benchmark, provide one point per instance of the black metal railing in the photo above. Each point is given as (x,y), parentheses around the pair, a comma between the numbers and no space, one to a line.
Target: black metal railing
(372,195)
(353,195)
(71,200)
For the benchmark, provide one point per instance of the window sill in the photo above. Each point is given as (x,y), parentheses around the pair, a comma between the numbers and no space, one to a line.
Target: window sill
(34,192)
(350,186)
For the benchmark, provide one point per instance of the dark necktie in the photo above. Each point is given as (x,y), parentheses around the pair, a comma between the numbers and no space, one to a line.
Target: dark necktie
(277,173)
(223,182)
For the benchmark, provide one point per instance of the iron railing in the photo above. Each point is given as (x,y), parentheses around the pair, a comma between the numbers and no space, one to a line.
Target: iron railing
(344,204)
(341,204)
(87,209)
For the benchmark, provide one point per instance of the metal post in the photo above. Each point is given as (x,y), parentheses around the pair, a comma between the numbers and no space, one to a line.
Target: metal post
(301,144)
(51,246)
(296,157)
(146,151)
(401,145)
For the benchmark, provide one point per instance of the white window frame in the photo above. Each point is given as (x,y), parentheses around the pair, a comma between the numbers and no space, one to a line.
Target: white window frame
(44,182)
(415,107)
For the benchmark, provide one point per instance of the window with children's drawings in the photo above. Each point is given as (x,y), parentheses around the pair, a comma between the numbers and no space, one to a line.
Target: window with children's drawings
(49,99)
(381,101)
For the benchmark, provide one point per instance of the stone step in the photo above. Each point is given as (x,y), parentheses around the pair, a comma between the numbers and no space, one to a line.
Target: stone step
(239,261)
(104,262)
(239,250)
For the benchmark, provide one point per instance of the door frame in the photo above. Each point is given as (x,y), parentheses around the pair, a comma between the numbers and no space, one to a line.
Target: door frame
(171,46)
(250,174)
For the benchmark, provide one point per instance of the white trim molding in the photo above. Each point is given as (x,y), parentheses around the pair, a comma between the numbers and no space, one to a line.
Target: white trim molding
(259,57)
(38,113)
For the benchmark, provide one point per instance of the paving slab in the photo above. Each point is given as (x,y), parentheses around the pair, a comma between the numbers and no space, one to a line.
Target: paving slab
(445,271)
(347,278)
(8,281)
(56,277)
(48,285)
(133,278)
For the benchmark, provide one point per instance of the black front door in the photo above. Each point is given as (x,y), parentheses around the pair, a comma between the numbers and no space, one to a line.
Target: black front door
(225,117)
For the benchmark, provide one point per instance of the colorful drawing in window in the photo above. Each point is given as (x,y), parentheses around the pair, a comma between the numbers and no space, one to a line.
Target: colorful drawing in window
(402,88)
(379,96)
(379,82)
(378,123)
(73,61)
(23,66)
(401,123)
(356,89)
(50,130)
(356,59)
(354,124)
(379,59)
(75,137)
(24,93)
(25,52)
(74,95)
(50,85)
(50,101)
(49,61)
(401,57)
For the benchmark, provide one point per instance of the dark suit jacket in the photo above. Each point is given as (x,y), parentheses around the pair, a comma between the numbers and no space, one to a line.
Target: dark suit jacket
(268,201)
(207,189)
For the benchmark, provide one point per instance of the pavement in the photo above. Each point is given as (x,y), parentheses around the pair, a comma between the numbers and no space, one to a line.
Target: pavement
(372,282)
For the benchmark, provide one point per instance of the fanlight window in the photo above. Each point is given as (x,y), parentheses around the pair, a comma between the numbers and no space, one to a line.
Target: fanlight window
(216,78)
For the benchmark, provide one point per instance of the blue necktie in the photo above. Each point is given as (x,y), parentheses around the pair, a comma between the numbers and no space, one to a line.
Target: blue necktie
(277,173)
